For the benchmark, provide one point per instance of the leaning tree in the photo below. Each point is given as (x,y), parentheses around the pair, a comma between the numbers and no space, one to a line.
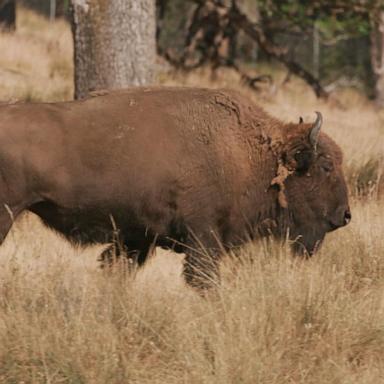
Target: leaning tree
(115,43)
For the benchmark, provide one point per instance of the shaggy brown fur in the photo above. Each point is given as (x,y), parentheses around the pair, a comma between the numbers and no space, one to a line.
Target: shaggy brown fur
(177,167)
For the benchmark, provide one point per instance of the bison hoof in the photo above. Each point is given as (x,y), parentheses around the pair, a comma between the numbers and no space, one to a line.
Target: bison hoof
(114,258)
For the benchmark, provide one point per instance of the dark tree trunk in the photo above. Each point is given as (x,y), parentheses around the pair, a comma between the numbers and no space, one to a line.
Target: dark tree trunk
(7,15)
(115,44)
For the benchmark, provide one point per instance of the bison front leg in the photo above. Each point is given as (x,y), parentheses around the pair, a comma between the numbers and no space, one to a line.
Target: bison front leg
(201,263)
(201,271)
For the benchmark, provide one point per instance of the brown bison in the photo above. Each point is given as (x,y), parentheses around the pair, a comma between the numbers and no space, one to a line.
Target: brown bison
(183,168)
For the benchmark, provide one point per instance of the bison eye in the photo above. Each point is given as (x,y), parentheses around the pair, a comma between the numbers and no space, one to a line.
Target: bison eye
(327,167)
(303,160)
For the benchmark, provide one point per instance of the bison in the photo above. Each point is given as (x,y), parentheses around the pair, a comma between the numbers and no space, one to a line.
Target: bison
(182,168)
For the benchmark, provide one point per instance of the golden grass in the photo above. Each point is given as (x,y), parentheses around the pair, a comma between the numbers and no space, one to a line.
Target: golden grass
(273,319)
(36,61)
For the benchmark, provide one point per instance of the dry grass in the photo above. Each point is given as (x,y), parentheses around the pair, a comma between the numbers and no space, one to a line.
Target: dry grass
(36,61)
(274,319)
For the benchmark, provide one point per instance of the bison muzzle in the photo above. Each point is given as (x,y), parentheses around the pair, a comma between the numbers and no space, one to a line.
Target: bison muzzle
(196,170)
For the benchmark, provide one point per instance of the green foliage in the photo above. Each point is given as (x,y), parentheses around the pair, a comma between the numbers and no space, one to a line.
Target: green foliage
(334,16)
(344,28)
(174,24)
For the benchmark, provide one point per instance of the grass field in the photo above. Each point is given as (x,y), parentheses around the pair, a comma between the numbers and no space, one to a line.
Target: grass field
(274,318)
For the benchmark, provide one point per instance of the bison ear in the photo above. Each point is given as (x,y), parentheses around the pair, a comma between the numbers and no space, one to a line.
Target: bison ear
(303,151)
(315,131)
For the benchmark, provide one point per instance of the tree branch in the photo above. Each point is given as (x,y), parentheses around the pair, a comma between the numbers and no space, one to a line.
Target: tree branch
(255,32)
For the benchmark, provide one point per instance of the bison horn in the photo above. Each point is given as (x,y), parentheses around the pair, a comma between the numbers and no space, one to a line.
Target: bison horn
(301,120)
(315,130)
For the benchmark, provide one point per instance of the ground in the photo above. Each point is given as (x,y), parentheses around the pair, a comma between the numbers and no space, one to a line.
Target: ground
(274,318)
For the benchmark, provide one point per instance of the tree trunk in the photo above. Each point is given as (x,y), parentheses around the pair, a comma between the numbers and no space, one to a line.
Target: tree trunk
(7,15)
(377,55)
(52,10)
(115,45)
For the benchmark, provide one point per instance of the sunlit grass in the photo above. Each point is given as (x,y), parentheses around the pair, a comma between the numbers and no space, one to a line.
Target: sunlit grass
(274,318)
(36,61)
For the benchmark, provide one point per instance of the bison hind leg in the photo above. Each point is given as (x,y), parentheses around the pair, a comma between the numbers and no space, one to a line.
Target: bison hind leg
(125,256)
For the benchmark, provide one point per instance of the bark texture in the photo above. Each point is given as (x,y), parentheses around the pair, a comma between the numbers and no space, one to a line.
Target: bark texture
(7,15)
(377,55)
(115,45)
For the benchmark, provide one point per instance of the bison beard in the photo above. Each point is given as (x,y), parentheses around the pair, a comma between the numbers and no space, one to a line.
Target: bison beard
(199,171)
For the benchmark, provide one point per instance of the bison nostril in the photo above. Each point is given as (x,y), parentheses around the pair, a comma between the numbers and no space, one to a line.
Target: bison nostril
(347,216)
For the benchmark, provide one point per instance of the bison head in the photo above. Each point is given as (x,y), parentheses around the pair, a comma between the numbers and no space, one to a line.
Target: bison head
(315,192)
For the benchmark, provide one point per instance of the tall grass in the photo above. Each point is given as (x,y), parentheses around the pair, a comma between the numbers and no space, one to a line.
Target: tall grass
(273,319)
(36,60)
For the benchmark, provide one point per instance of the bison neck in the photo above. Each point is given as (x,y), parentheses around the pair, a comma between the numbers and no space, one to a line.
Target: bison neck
(256,211)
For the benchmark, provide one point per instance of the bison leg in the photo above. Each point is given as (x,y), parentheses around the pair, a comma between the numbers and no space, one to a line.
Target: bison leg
(201,271)
(201,267)
(7,217)
(130,256)
(110,256)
